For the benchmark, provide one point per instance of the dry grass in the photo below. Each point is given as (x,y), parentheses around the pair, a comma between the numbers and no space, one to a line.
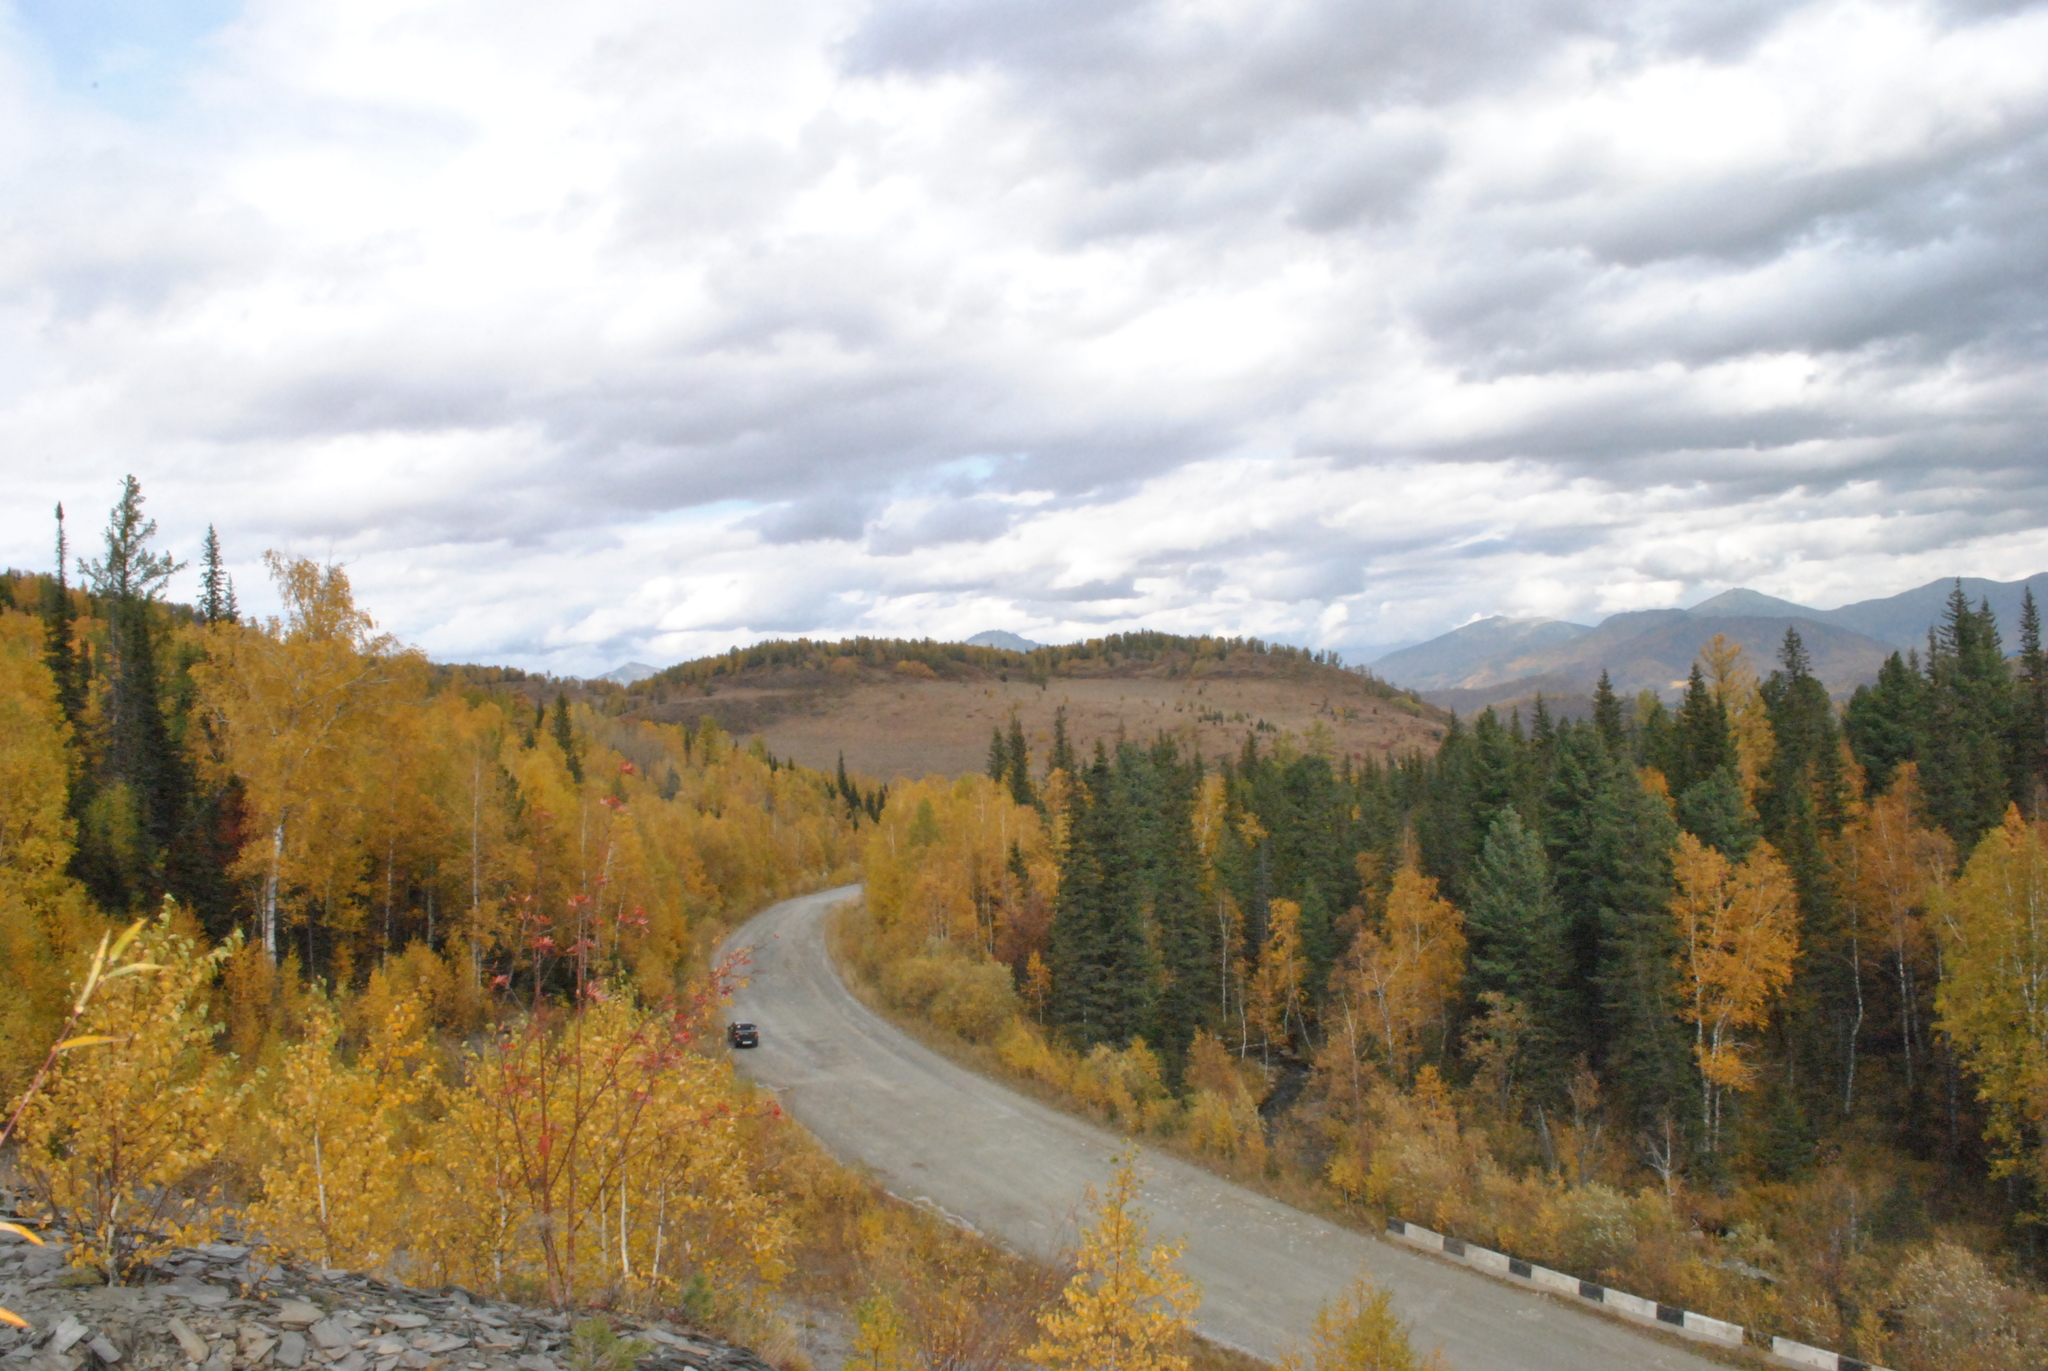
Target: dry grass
(890,725)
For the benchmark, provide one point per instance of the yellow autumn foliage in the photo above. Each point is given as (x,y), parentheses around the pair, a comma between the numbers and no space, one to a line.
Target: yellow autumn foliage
(1993,930)
(339,1139)
(1359,1331)
(45,925)
(1128,1307)
(596,1152)
(112,1146)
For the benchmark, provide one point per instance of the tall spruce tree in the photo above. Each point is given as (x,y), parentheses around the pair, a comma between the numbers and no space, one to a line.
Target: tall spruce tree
(565,739)
(2028,745)
(1802,805)
(1704,743)
(141,789)
(1520,946)
(1104,972)
(1607,716)
(1580,774)
(1062,758)
(1609,842)
(1886,721)
(1185,935)
(1705,785)
(1963,766)
(1632,835)
(998,755)
(60,652)
(1018,755)
(1656,736)
(216,588)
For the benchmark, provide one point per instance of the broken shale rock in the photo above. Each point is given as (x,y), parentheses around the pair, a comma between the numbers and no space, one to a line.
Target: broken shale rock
(223,1307)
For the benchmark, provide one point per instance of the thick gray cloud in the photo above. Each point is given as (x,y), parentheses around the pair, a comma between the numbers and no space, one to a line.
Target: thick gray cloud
(637,328)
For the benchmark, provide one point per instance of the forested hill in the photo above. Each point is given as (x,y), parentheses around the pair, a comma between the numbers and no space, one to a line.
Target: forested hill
(895,707)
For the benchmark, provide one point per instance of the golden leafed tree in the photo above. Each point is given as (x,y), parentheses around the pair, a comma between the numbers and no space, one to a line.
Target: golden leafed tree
(1888,866)
(1360,1332)
(1742,697)
(1278,996)
(291,704)
(1128,1307)
(1737,939)
(44,922)
(1398,979)
(1993,1000)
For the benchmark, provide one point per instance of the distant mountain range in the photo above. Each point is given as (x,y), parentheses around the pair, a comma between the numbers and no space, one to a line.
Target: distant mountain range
(1501,661)
(1002,638)
(629,673)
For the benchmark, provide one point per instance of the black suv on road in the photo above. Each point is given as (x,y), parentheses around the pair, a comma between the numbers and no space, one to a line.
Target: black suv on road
(742,1035)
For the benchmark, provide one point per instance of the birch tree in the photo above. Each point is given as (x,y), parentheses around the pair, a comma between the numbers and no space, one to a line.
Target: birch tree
(1737,939)
(1993,1001)
(290,701)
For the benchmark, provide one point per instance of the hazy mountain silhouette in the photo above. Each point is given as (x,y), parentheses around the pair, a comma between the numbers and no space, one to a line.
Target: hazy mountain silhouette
(1503,660)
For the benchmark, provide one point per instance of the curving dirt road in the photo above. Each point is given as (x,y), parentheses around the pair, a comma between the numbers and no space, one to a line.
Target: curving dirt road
(1014,1170)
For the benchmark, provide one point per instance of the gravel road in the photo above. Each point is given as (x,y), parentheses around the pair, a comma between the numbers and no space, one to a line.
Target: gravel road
(1014,1170)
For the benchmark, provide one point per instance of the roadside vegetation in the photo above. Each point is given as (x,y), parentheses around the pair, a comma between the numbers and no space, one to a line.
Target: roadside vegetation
(1724,1005)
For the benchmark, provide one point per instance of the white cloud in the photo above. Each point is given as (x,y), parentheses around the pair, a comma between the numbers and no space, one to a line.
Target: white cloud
(636,329)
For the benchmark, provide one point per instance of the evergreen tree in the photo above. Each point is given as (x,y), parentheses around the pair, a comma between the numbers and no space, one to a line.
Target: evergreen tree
(1963,765)
(1104,975)
(1803,796)
(1607,716)
(1706,788)
(1886,721)
(998,755)
(1580,775)
(1186,935)
(565,738)
(1062,758)
(1632,835)
(1519,945)
(216,587)
(1656,735)
(2029,742)
(1713,810)
(141,782)
(1609,842)
(1801,805)
(60,653)
(1020,764)
(1704,742)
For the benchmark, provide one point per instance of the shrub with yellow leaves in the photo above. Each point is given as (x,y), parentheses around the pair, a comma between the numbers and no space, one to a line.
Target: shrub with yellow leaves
(111,1146)
(1360,1332)
(1128,1307)
(340,1139)
(594,1152)
(881,1342)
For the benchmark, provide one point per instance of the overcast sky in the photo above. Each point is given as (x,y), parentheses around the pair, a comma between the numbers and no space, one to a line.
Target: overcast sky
(637,328)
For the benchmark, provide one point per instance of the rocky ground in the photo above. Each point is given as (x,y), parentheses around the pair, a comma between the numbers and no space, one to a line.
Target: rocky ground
(227,1308)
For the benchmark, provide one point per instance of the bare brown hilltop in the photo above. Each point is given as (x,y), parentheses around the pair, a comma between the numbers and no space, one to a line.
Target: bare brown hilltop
(912,708)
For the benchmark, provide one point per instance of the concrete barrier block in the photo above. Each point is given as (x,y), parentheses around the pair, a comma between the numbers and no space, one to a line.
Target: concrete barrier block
(1712,1330)
(1799,1354)
(1415,1235)
(1635,1306)
(1555,1280)
(1497,1263)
